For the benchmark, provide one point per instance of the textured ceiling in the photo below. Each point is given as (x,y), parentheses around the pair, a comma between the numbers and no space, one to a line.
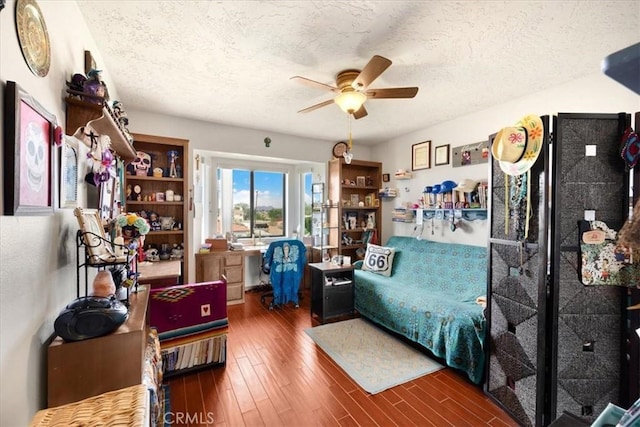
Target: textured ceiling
(230,62)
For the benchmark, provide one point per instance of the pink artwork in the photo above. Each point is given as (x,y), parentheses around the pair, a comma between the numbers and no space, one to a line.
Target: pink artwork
(34,158)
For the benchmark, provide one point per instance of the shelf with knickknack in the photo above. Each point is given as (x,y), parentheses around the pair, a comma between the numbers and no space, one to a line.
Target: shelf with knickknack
(355,188)
(469,214)
(99,117)
(156,188)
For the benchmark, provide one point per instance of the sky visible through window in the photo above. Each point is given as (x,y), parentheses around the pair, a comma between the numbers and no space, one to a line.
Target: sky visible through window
(268,185)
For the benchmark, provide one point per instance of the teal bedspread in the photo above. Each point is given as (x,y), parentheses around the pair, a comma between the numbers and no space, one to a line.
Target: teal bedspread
(430,298)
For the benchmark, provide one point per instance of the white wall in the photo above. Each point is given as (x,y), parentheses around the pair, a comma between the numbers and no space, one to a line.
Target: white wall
(37,254)
(594,94)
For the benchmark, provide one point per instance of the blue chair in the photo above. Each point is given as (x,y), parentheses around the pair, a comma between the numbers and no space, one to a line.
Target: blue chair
(285,261)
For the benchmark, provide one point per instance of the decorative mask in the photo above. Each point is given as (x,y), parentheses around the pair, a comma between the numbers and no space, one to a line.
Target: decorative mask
(142,163)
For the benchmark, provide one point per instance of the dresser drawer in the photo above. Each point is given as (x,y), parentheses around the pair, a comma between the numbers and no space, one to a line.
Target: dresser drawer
(233,259)
(234,274)
(235,293)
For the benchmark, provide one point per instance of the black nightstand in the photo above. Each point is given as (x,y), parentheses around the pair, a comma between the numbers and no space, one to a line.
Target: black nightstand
(332,291)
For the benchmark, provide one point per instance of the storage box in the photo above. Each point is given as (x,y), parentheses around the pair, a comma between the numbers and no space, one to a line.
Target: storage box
(187,309)
(217,244)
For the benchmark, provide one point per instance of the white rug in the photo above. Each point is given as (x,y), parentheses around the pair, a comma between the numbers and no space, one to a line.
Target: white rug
(373,358)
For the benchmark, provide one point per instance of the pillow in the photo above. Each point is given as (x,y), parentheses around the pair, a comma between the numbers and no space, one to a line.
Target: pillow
(378,259)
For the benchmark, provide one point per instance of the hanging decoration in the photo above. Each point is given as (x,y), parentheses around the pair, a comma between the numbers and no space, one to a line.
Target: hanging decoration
(99,159)
(516,148)
(348,154)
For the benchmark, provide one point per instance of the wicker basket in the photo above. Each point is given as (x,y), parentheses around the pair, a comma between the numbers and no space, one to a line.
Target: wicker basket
(125,407)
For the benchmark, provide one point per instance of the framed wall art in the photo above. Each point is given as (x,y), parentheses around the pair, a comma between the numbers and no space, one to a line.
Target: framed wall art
(441,155)
(94,237)
(29,160)
(421,155)
(386,177)
(89,62)
(470,154)
(69,163)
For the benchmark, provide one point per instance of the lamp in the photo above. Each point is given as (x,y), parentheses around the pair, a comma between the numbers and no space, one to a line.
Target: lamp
(350,100)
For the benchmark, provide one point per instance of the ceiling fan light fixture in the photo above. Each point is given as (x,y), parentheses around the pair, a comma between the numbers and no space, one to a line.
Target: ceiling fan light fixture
(350,101)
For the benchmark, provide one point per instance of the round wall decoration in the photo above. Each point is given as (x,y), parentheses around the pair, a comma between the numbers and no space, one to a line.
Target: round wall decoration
(33,37)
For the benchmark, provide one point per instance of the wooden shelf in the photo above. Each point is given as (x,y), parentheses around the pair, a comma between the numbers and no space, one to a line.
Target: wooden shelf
(361,208)
(361,187)
(158,147)
(153,178)
(135,202)
(81,114)
(339,172)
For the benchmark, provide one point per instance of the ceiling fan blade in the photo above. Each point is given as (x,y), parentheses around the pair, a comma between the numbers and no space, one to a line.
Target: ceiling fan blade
(362,112)
(393,92)
(370,72)
(316,106)
(313,83)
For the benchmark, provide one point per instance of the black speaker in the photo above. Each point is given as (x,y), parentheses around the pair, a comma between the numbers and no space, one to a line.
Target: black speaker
(90,317)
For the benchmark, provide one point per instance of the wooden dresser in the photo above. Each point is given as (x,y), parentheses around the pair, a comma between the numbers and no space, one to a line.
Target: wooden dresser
(210,266)
(81,369)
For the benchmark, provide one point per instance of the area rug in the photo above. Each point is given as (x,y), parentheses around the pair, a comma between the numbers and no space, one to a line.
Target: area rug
(373,358)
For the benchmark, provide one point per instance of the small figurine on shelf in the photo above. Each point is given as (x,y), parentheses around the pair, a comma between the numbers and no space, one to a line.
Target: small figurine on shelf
(173,156)
(95,88)
(154,221)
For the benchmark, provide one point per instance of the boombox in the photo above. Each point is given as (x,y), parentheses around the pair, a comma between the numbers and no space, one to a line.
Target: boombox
(90,317)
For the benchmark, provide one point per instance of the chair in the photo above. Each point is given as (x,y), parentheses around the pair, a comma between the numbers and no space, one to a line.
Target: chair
(285,261)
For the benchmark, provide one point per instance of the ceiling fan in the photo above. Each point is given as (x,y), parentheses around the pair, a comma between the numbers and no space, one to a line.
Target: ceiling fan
(352,88)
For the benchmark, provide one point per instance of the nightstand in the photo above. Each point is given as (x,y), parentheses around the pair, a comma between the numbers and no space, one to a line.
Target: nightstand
(332,291)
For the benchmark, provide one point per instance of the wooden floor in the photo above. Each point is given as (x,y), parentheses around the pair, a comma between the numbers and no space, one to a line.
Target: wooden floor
(277,376)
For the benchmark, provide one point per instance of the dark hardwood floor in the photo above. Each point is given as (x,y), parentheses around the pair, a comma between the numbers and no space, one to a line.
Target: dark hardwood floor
(277,376)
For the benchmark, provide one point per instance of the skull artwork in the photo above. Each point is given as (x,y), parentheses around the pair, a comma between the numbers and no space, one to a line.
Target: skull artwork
(142,163)
(35,156)
(152,255)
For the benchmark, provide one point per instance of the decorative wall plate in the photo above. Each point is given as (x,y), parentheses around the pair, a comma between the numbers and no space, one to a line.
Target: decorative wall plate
(33,37)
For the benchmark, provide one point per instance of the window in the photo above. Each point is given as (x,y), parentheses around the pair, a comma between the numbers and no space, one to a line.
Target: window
(252,203)
(306,186)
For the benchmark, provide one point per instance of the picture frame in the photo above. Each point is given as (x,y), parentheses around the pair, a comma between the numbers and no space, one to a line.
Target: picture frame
(386,177)
(441,155)
(355,199)
(69,162)
(421,155)
(29,159)
(89,62)
(361,181)
(99,250)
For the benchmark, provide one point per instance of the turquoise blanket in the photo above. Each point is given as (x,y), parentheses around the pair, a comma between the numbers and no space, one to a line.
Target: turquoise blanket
(430,298)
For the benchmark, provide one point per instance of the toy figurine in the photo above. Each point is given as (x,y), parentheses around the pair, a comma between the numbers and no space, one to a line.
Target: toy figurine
(173,156)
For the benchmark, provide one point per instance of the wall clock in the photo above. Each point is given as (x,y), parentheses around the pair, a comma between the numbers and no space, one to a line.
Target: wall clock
(339,149)
(33,37)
